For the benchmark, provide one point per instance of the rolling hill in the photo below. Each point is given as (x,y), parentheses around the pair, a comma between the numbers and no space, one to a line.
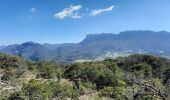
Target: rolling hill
(96,46)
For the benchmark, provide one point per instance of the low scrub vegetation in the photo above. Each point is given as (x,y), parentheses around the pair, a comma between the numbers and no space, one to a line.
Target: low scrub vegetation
(137,77)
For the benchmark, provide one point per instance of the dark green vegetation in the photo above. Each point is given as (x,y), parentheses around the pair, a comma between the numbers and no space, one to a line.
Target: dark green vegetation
(137,77)
(95,45)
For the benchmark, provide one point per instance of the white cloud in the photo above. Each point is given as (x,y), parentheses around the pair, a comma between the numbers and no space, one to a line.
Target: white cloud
(33,10)
(99,11)
(69,12)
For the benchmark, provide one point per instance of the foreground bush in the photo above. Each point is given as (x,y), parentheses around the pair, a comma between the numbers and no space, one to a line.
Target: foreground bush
(137,77)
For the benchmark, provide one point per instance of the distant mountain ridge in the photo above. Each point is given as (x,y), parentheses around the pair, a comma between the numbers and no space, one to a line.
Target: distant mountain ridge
(96,45)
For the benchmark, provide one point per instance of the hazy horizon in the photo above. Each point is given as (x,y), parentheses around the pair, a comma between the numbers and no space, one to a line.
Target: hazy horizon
(77,41)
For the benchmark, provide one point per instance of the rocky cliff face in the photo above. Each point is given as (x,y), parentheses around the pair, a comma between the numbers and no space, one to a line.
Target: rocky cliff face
(96,45)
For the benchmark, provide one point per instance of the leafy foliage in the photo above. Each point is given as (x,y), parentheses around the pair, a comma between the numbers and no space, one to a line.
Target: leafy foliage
(137,77)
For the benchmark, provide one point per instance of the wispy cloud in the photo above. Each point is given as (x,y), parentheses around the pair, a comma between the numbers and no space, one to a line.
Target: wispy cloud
(69,12)
(99,11)
(33,10)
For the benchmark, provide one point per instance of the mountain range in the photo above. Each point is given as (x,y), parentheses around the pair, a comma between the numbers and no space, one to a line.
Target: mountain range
(96,46)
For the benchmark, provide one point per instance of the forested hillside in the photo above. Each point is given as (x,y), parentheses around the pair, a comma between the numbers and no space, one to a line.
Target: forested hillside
(96,46)
(136,77)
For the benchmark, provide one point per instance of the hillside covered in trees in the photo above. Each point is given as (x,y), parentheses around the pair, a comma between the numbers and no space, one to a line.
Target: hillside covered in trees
(96,47)
(136,77)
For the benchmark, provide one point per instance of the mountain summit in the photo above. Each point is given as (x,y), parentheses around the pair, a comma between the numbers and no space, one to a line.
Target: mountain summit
(96,45)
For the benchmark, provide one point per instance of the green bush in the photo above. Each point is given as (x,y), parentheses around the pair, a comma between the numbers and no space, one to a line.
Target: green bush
(15,96)
(113,92)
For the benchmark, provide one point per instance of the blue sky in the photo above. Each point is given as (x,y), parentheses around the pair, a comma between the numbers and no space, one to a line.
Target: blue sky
(66,21)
